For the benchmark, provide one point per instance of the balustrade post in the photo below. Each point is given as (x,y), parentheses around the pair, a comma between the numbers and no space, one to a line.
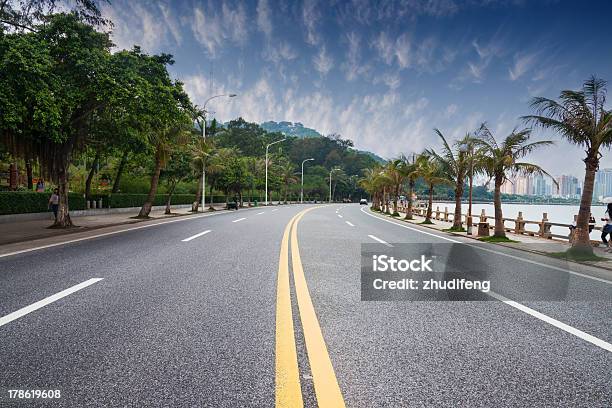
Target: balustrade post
(519,224)
(545,227)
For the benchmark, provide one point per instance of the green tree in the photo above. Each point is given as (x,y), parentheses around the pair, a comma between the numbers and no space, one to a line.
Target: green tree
(432,173)
(504,158)
(454,163)
(580,118)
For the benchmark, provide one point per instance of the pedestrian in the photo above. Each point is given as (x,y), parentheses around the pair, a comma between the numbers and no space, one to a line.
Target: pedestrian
(54,202)
(40,186)
(607,229)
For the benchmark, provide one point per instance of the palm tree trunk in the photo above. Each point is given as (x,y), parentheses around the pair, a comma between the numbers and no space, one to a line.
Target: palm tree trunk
(429,204)
(63,217)
(397,188)
(198,194)
(169,198)
(30,177)
(582,241)
(146,207)
(91,174)
(500,230)
(212,199)
(409,198)
(457,224)
(122,164)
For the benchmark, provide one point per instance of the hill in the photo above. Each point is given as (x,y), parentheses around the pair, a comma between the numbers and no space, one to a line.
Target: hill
(290,129)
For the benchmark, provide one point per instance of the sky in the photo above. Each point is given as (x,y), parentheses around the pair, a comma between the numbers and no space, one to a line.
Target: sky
(381,73)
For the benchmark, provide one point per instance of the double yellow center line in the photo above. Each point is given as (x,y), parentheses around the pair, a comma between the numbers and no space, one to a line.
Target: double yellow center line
(288,388)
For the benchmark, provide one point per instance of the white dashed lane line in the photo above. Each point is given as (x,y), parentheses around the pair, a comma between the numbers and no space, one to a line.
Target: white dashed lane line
(380,240)
(349,223)
(42,303)
(195,236)
(339,216)
(239,219)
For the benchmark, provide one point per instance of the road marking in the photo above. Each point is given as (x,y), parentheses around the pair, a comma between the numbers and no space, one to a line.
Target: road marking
(41,303)
(518,258)
(325,382)
(195,236)
(105,234)
(239,219)
(349,223)
(259,213)
(276,209)
(288,390)
(578,333)
(339,216)
(569,329)
(380,240)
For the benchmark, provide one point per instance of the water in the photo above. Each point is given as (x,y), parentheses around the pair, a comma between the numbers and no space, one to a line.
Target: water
(533,212)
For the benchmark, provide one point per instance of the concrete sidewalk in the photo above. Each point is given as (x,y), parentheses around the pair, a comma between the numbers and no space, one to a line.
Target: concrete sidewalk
(525,242)
(21,231)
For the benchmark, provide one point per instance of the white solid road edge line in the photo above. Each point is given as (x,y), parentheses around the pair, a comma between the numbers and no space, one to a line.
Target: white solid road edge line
(380,240)
(41,303)
(105,234)
(239,219)
(560,325)
(578,333)
(349,223)
(195,236)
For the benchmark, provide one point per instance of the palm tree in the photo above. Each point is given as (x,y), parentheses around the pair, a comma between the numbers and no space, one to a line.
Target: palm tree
(503,158)
(370,183)
(410,171)
(432,172)
(396,177)
(580,118)
(454,163)
(164,142)
(287,174)
(202,151)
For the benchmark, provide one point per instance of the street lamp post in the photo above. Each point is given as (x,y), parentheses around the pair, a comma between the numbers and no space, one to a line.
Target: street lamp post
(330,184)
(302,191)
(204,137)
(268,147)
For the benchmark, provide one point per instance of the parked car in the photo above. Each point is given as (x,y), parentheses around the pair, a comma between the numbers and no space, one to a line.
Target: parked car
(363,201)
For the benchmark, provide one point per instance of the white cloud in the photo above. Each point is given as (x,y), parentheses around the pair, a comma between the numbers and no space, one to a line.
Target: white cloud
(522,64)
(213,29)
(149,27)
(323,63)
(352,66)
(310,16)
(390,51)
(450,111)
(264,20)
(279,52)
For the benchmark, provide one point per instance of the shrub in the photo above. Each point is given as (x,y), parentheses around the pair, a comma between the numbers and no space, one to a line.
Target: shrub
(137,200)
(18,202)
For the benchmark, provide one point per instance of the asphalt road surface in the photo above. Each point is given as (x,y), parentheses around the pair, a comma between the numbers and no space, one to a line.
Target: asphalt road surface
(262,307)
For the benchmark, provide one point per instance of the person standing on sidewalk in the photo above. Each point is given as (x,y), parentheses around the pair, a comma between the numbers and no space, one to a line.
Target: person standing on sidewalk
(54,202)
(607,229)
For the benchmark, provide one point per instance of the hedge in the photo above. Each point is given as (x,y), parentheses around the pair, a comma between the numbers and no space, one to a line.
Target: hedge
(137,200)
(18,202)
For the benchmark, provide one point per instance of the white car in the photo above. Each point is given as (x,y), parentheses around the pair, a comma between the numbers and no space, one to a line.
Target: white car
(363,201)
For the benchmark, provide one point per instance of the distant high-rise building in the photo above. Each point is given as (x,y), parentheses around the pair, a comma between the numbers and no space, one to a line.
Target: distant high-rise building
(568,186)
(603,183)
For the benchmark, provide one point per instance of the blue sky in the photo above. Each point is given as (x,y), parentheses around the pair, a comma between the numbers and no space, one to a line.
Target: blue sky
(383,74)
